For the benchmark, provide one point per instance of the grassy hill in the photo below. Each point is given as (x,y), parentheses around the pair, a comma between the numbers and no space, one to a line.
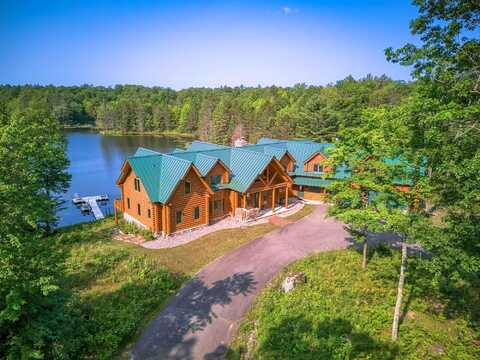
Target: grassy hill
(343,312)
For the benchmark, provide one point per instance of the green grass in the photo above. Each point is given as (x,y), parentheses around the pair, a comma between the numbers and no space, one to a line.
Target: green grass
(118,287)
(343,312)
(306,210)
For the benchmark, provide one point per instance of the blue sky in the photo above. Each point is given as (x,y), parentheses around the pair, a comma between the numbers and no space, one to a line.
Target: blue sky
(181,44)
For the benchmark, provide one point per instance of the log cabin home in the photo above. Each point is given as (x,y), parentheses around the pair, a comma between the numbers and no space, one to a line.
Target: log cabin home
(205,182)
(185,189)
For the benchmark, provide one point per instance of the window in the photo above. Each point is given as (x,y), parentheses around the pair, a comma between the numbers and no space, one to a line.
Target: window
(138,210)
(256,197)
(215,180)
(128,203)
(196,212)
(137,184)
(149,213)
(210,206)
(178,217)
(188,187)
(317,168)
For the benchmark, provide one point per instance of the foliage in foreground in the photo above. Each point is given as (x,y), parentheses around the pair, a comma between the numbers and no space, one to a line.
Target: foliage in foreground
(129,228)
(108,290)
(343,312)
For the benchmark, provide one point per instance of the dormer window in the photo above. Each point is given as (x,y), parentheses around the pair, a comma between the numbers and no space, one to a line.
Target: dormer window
(188,187)
(136,184)
(317,168)
(215,180)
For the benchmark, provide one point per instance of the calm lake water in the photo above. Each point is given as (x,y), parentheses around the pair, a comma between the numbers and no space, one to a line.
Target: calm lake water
(95,163)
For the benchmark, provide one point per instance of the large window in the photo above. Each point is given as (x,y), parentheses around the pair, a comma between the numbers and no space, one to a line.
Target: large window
(317,168)
(136,184)
(178,217)
(188,187)
(196,212)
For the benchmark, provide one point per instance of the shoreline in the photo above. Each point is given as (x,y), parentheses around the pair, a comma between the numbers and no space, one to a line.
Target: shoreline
(129,133)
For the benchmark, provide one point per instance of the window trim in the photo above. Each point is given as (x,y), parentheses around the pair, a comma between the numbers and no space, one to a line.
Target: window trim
(176,217)
(189,187)
(136,184)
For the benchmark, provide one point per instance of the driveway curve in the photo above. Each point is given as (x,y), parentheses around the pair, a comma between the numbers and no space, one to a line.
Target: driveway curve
(201,320)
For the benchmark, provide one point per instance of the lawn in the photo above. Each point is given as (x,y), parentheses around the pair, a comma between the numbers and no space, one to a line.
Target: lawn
(306,210)
(342,312)
(118,287)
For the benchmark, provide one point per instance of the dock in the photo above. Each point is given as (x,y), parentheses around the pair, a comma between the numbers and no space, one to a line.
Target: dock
(92,202)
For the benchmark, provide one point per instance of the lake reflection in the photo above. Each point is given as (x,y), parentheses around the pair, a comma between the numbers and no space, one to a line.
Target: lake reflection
(95,163)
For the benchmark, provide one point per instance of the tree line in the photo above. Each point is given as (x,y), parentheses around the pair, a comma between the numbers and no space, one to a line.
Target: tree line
(315,112)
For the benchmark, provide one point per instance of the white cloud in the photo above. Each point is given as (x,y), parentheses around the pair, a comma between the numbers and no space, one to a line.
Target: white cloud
(287,10)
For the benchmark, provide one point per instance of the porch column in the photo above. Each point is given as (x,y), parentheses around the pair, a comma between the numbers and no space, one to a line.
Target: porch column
(207,209)
(260,200)
(168,228)
(244,201)
(164,219)
(286,196)
(116,215)
(273,200)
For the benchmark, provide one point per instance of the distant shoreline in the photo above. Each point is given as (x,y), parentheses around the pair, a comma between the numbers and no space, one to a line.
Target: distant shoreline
(171,133)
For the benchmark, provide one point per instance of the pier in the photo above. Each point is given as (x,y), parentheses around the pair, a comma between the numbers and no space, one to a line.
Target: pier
(92,202)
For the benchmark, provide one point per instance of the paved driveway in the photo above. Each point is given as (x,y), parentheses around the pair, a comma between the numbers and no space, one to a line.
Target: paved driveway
(201,320)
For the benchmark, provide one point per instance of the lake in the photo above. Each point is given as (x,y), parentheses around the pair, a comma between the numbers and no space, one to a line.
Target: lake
(95,163)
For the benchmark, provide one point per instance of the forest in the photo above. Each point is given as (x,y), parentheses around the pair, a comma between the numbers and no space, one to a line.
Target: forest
(315,112)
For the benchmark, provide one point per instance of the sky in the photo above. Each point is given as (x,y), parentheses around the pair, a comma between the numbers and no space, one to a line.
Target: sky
(181,44)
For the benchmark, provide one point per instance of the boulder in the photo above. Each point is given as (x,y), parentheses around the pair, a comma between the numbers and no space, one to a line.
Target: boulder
(292,280)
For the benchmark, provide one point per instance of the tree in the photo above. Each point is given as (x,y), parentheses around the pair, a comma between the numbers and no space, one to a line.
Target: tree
(32,174)
(444,114)
(185,114)
(365,198)
(220,123)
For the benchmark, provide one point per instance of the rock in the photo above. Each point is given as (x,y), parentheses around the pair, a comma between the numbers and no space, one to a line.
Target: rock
(437,349)
(292,280)
(252,343)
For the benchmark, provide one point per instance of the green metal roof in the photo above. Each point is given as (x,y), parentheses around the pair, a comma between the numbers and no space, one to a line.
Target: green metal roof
(159,174)
(308,181)
(202,162)
(277,152)
(301,150)
(244,165)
